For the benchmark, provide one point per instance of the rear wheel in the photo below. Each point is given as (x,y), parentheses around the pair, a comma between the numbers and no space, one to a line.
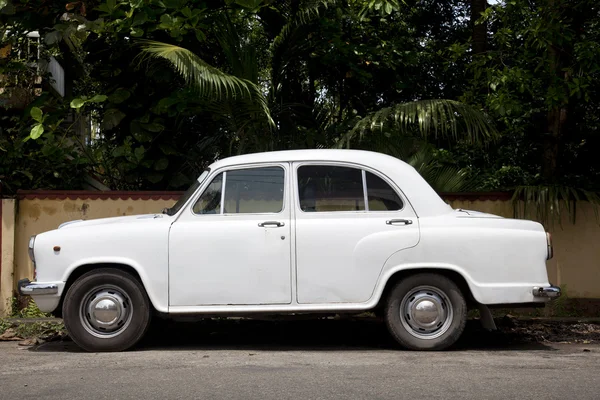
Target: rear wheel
(426,312)
(106,310)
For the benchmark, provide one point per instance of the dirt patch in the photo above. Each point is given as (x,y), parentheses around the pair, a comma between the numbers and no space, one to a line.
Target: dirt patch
(550,330)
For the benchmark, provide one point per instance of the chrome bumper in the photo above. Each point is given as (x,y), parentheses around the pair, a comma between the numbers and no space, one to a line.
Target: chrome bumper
(548,291)
(26,287)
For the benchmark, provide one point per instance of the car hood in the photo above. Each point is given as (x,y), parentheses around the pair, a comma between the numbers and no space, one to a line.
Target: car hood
(114,220)
(474,214)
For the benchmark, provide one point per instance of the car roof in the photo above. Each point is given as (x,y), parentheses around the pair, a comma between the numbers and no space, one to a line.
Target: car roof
(424,200)
(341,155)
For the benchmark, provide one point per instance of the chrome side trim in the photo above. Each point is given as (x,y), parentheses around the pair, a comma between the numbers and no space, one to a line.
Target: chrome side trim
(26,287)
(549,291)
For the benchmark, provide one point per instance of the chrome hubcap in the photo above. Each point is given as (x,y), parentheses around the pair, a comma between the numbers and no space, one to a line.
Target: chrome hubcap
(105,312)
(426,312)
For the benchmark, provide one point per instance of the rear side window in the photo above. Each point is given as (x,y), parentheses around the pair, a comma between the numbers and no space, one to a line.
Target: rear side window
(380,195)
(330,188)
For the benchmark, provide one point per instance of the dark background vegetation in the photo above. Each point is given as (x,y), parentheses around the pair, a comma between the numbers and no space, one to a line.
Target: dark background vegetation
(532,66)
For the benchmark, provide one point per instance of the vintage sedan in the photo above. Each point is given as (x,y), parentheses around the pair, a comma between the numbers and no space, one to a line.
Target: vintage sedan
(307,231)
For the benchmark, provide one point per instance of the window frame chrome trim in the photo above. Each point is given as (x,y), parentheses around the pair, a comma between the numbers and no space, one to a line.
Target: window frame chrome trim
(348,164)
(365,193)
(224,170)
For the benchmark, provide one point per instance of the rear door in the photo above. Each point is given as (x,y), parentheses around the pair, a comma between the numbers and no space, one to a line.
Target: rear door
(349,221)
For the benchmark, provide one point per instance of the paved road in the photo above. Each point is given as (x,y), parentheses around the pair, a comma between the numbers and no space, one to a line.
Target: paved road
(299,361)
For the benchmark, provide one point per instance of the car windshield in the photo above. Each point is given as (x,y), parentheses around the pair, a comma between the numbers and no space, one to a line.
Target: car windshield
(186,195)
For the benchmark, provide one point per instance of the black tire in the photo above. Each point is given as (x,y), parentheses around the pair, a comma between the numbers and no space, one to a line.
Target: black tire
(139,312)
(413,339)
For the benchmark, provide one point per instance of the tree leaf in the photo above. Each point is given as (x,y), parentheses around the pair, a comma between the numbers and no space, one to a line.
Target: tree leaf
(186,12)
(37,114)
(119,151)
(36,131)
(155,177)
(77,103)
(161,164)
(139,153)
(119,96)
(112,118)
(140,18)
(153,127)
(99,98)
(167,149)
(136,32)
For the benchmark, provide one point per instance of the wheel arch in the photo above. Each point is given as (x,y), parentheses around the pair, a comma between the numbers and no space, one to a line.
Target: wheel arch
(78,271)
(457,277)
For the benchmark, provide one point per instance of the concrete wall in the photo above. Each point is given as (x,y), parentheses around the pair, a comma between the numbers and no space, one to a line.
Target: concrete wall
(577,247)
(7,241)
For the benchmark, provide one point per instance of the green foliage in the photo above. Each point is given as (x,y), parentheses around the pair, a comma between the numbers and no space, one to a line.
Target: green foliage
(33,330)
(437,118)
(30,311)
(161,88)
(4,325)
(548,204)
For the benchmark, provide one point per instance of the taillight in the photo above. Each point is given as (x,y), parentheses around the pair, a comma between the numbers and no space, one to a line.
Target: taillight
(549,245)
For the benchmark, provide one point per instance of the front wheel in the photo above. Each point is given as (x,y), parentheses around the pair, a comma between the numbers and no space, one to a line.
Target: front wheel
(106,310)
(426,312)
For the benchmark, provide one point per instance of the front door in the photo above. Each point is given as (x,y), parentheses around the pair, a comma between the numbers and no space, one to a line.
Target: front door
(349,221)
(232,247)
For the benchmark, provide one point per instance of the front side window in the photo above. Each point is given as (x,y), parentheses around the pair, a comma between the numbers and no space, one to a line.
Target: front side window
(187,194)
(251,190)
(210,201)
(254,190)
(330,188)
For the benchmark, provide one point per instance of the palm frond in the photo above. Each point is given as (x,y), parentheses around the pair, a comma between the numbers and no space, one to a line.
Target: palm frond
(306,15)
(442,178)
(240,53)
(211,82)
(437,118)
(282,47)
(548,203)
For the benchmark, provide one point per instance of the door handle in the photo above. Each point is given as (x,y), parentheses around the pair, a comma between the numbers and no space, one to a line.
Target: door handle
(271,223)
(399,221)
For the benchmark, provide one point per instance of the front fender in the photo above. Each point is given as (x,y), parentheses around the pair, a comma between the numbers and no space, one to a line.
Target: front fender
(153,288)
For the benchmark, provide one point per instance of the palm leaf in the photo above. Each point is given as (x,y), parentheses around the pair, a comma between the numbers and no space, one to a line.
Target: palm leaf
(437,118)
(442,178)
(306,15)
(284,45)
(548,203)
(209,81)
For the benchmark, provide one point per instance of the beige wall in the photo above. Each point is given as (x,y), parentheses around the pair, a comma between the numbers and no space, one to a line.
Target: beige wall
(7,224)
(40,215)
(577,247)
(576,261)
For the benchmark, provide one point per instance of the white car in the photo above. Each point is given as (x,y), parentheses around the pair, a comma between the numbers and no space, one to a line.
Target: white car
(307,231)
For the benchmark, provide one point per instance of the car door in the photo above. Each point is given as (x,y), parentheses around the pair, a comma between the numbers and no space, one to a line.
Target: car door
(232,245)
(349,221)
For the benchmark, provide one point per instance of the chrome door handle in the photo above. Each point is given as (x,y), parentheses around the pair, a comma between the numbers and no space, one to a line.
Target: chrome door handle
(271,223)
(398,221)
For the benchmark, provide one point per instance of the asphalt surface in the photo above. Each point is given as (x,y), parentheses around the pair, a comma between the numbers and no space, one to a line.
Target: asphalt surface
(300,360)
